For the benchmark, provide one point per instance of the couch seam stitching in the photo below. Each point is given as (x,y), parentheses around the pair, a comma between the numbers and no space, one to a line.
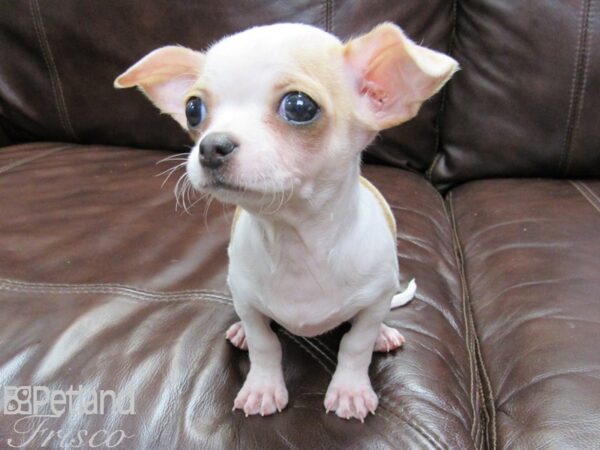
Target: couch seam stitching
(188,292)
(587,194)
(467,330)
(482,433)
(43,49)
(580,100)
(61,106)
(438,122)
(120,293)
(131,292)
(469,313)
(65,110)
(328,15)
(481,367)
(578,80)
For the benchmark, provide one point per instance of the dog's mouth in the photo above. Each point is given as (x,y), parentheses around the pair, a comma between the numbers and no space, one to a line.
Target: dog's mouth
(222,185)
(216,181)
(242,192)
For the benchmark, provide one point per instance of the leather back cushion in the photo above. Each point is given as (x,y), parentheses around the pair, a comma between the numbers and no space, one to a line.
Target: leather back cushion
(527,100)
(60,60)
(525,103)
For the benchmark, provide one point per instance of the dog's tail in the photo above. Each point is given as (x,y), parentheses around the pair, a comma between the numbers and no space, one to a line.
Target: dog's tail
(405,296)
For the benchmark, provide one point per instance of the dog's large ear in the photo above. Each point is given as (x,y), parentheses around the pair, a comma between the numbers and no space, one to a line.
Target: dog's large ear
(393,76)
(165,76)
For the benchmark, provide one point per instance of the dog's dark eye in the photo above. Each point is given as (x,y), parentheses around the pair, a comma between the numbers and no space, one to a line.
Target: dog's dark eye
(298,108)
(195,111)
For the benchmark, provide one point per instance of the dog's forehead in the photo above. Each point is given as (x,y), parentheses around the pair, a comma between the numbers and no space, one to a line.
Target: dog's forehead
(256,54)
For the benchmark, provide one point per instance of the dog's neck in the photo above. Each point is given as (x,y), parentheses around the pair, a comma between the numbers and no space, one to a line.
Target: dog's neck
(319,213)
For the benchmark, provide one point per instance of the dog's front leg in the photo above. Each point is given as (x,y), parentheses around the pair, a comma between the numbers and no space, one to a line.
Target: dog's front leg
(264,390)
(350,393)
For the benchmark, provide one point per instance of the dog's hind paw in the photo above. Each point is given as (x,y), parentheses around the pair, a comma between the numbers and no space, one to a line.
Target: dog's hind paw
(389,339)
(237,336)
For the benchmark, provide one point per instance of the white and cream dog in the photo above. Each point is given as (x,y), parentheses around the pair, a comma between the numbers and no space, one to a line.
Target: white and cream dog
(279,115)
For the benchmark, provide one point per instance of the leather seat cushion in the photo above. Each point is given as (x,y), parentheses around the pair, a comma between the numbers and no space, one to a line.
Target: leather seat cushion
(532,264)
(104,285)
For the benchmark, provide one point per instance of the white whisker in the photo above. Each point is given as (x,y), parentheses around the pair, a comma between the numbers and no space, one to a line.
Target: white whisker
(176,156)
(206,209)
(178,190)
(170,172)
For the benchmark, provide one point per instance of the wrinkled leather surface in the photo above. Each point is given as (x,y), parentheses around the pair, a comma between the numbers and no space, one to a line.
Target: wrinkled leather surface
(532,263)
(530,74)
(90,215)
(103,284)
(526,100)
(59,83)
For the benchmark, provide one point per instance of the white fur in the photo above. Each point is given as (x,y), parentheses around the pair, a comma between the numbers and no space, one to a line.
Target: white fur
(312,275)
(324,253)
(313,247)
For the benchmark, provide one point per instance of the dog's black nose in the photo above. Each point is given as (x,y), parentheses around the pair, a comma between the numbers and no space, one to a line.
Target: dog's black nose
(215,148)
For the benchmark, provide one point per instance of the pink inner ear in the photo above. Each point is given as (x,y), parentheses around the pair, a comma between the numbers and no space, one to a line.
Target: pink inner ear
(388,77)
(394,76)
(391,83)
(375,93)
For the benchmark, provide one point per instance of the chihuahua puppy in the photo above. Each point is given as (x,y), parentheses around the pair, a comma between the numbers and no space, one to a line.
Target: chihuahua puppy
(279,115)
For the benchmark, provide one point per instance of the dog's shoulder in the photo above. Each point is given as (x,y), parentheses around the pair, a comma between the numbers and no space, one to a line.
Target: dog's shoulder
(387,211)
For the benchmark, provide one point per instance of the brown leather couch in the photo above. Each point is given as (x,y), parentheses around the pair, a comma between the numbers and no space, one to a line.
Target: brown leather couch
(495,187)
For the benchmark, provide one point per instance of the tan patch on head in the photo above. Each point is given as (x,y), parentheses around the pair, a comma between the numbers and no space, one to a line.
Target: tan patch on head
(327,66)
(320,74)
(309,137)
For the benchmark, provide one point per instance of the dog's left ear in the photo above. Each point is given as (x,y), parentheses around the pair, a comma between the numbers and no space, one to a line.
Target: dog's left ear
(393,76)
(165,75)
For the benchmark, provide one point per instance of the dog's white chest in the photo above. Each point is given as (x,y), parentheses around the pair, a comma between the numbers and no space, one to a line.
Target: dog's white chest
(309,285)
(304,292)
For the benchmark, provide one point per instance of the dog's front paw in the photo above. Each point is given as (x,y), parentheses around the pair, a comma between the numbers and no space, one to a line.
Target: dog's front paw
(237,335)
(389,339)
(262,394)
(350,398)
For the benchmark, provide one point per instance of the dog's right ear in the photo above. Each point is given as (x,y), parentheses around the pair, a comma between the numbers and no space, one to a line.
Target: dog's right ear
(393,76)
(165,76)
